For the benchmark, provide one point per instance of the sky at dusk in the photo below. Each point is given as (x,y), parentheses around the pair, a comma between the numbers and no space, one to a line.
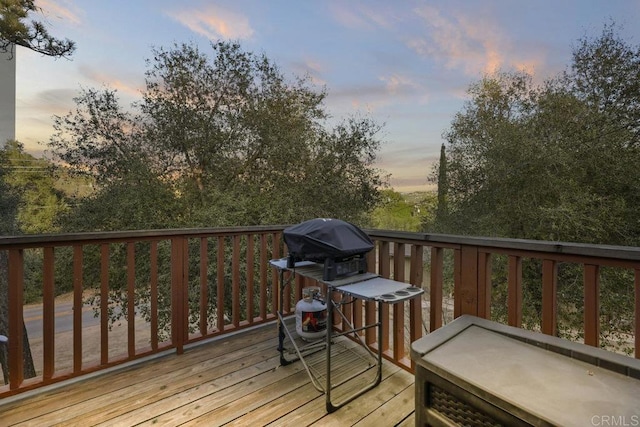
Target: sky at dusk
(405,63)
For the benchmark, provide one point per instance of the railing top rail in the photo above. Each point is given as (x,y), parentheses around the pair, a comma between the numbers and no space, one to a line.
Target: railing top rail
(631,253)
(39,240)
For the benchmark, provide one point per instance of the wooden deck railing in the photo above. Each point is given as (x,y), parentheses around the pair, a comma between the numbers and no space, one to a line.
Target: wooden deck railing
(159,290)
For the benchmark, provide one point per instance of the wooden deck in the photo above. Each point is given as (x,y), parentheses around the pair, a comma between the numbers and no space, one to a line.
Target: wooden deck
(234,381)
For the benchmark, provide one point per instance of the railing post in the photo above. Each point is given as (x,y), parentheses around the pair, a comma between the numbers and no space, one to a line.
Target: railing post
(484,285)
(466,276)
(415,304)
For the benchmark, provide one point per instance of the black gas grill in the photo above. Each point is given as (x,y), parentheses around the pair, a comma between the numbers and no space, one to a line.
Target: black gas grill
(333,253)
(339,245)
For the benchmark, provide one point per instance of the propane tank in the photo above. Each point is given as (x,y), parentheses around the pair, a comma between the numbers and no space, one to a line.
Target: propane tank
(311,315)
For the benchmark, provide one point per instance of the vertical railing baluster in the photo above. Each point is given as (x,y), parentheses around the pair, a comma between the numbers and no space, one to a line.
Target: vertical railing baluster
(384,271)
(131,298)
(220,284)
(286,290)
(264,272)
(357,315)
(77,307)
(153,260)
(204,285)
(398,331)
(179,318)
(250,278)
(514,291)
(104,303)
(275,291)
(370,306)
(300,283)
(16,319)
(48,313)
(435,289)
(235,281)
(592,305)
(637,312)
(549,321)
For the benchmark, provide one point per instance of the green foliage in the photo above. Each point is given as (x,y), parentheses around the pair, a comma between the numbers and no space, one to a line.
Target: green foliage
(403,212)
(33,35)
(553,162)
(220,141)
(34,179)
(9,199)
(214,141)
(443,187)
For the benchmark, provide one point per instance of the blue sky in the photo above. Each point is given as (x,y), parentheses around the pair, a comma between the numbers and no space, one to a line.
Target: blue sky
(405,63)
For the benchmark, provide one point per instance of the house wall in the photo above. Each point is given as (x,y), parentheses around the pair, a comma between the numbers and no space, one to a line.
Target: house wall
(7,97)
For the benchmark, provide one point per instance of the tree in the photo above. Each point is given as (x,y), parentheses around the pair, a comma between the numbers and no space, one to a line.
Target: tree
(34,179)
(228,138)
(9,199)
(33,35)
(489,159)
(442,210)
(407,212)
(214,141)
(104,144)
(9,202)
(14,31)
(555,162)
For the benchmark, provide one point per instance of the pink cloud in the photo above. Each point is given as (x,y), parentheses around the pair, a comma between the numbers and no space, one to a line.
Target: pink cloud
(213,22)
(471,43)
(110,81)
(60,10)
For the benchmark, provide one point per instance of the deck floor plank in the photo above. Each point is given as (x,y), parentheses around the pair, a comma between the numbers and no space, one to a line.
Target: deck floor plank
(142,386)
(314,411)
(398,407)
(49,400)
(354,411)
(235,380)
(183,390)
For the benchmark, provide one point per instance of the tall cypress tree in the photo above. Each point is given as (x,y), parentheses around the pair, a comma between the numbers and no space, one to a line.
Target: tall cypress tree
(441,213)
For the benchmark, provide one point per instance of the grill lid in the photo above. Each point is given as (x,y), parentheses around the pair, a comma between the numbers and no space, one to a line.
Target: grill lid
(322,238)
